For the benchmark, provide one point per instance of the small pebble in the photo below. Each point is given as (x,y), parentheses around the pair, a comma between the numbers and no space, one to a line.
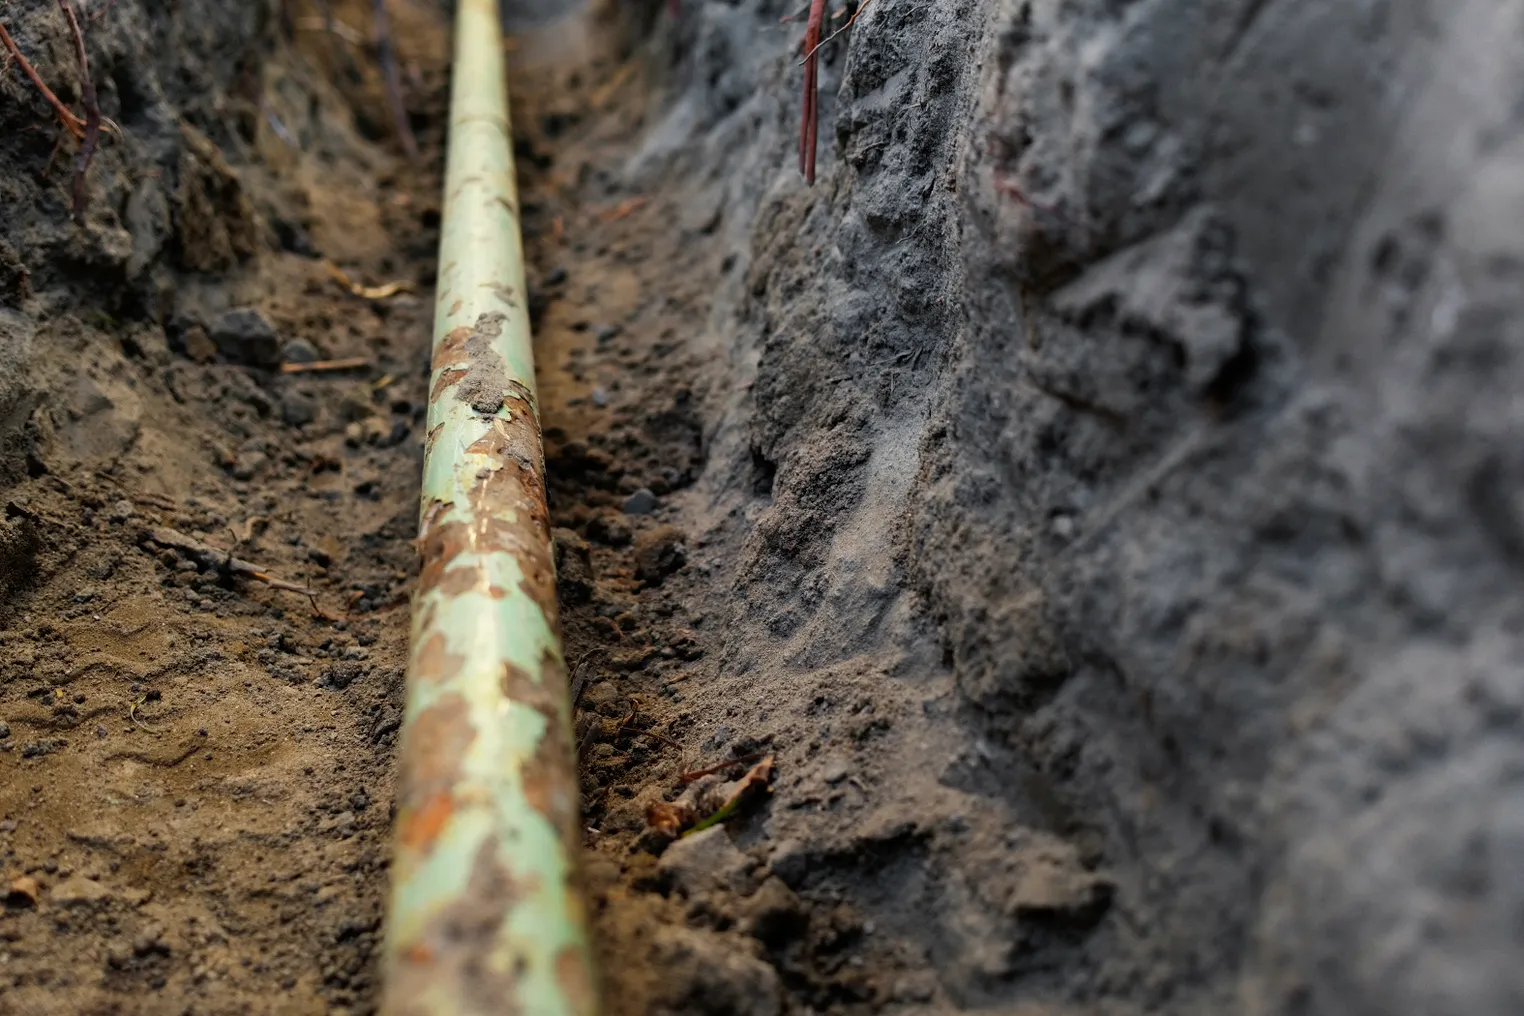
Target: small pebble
(600,397)
(245,335)
(297,409)
(642,502)
(299,351)
(607,333)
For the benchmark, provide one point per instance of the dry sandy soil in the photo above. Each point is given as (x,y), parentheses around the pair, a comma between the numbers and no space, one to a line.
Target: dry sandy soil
(1102,493)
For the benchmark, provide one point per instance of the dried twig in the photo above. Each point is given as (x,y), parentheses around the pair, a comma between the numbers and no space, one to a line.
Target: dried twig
(210,557)
(388,58)
(323,366)
(92,135)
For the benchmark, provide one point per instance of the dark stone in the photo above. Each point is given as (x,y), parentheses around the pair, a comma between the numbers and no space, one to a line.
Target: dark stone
(642,502)
(244,335)
(297,409)
(300,351)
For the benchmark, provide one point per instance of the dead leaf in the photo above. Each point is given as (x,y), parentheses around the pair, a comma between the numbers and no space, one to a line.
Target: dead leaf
(753,784)
(670,818)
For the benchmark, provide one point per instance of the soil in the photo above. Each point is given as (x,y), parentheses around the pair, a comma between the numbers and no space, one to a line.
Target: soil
(1099,495)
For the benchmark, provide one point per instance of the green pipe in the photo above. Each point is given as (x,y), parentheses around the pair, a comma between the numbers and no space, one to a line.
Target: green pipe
(486,914)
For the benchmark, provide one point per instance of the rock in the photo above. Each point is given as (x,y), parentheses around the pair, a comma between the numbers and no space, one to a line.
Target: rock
(600,398)
(43,746)
(299,351)
(297,409)
(121,511)
(607,333)
(642,502)
(199,345)
(23,892)
(78,891)
(659,553)
(703,861)
(5,730)
(244,335)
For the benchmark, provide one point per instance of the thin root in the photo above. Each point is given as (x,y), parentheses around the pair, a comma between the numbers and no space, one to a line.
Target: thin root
(92,135)
(809,126)
(699,774)
(388,58)
(72,123)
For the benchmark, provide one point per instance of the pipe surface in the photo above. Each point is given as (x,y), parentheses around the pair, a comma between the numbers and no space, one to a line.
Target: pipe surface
(485,915)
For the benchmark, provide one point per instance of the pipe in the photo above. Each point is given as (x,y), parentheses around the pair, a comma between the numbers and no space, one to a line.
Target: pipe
(485,915)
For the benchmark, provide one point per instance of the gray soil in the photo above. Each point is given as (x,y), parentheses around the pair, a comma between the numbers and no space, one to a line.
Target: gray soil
(1102,493)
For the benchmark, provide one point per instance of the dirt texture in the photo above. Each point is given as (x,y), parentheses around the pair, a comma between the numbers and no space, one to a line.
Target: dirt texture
(1099,496)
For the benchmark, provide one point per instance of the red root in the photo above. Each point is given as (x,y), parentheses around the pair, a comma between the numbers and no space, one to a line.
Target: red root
(809,127)
(92,136)
(71,122)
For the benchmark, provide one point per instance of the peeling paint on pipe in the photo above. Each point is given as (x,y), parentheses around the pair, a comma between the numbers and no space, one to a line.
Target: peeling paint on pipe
(486,915)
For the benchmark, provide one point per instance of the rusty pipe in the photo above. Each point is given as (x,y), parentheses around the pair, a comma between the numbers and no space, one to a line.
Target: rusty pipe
(485,914)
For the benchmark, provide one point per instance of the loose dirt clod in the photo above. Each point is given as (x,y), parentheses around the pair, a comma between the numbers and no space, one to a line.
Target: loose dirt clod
(23,892)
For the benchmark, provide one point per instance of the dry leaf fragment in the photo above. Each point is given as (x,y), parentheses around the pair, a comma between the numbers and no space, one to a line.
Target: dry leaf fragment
(669,817)
(751,786)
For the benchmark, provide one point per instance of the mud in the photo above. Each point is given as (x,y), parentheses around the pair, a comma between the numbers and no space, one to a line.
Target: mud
(1098,493)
